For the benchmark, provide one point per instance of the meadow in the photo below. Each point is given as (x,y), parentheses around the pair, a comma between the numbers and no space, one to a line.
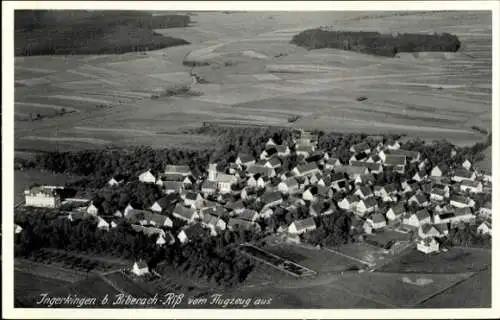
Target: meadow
(254,75)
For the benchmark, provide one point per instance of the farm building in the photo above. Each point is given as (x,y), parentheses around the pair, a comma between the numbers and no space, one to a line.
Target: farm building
(428,245)
(177,169)
(395,212)
(43,197)
(147,177)
(140,268)
(302,226)
(484,228)
(187,214)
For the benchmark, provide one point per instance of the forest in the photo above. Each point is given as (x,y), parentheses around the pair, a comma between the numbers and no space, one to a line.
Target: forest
(376,43)
(56,32)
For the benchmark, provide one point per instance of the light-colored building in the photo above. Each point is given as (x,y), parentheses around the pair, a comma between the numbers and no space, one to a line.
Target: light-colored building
(147,177)
(43,197)
(140,268)
(428,245)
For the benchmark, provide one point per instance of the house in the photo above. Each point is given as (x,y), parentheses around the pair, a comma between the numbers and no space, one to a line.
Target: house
(460,201)
(438,171)
(270,142)
(17,229)
(262,170)
(428,245)
(268,153)
(282,150)
(304,151)
(236,206)
(463,214)
(471,186)
(419,199)
(288,186)
(115,181)
(392,160)
(360,147)
(485,210)
(165,238)
(245,160)
(144,217)
(192,232)
(127,210)
(377,221)
(484,228)
(442,228)
(209,187)
(187,214)
(170,187)
(428,231)
(306,170)
(216,210)
(178,169)
(102,224)
(140,268)
(418,218)
(237,223)
(248,193)
(411,156)
(366,206)
(214,223)
(349,202)
(147,177)
(467,165)
(310,193)
(443,217)
(249,215)
(462,174)
(92,209)
(437,194)
(42,197)
(358,157)
(273,162)
(188,181)
(423,165)
(365,179)
(257,181)
(270,199)
(385,191)
(352,171)
(364,192)
(395,212)
(395,145)
(410,186)
(321,209)
(419,176)
(332,163)
(192,199)
(374,159)
(163,204)
(302,226)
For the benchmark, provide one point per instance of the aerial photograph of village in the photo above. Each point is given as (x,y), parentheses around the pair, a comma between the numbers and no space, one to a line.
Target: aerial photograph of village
(252,159)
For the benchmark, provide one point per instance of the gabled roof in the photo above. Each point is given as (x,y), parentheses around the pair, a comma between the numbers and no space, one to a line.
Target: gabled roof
(427,228)
(172,185)
(166,201)
(398,208)
(439,192)
(274,161)
(270,197)
(366,191)
(196,231)
(216,211)
(359,156)
(332,160)
(421,198)
(291,182)
(377,218)
(360,146)
(304,223)
(245,224)
(422,214)
(192,195)
(184,212)
(336,176)
(177,168)
(352,198)
(463,173)
(171,177)
(369,202)
(281,148)
(459,198)
(395,160)
(351,169)
(260,169)
(405,153)
(307,167)
(209,185)
(244,158)
(469,183)
(463,211)
(248,215)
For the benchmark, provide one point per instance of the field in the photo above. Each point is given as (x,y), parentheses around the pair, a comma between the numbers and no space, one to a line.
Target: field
(255,76)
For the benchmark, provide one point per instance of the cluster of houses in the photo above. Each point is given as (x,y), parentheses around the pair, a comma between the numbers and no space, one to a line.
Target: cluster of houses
(429,203)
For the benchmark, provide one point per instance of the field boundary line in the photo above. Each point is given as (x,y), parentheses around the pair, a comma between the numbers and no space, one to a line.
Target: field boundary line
(350,257)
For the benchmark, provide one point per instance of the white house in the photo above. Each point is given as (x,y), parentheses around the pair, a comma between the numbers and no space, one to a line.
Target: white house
(484,228)
(466,164)
(178,169)
(349,202)
(332,163)
(395,212)
(270,142)
(377,221)
(140,268)
(394,145)
(92,209)
(419,199)
(419,176)
(364,192)
(306,169)
(460,201)
(42,196)
(418,218)
(437,194)
(366,206)
(187,214)
(245,160)
(147,177)
(302,226)
(471,186)
(114,182)
(428,231)
(288,186)
(428,245)
(462,174)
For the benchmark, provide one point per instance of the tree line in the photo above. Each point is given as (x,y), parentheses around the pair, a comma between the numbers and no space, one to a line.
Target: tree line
(376,43)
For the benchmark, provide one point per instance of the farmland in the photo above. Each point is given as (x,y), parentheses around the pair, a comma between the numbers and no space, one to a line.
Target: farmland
(254,75)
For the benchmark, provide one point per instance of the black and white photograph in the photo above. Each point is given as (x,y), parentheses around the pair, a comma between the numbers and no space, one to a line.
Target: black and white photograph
(166,157)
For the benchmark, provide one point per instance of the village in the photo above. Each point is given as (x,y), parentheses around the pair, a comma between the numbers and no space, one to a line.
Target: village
(249,191)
